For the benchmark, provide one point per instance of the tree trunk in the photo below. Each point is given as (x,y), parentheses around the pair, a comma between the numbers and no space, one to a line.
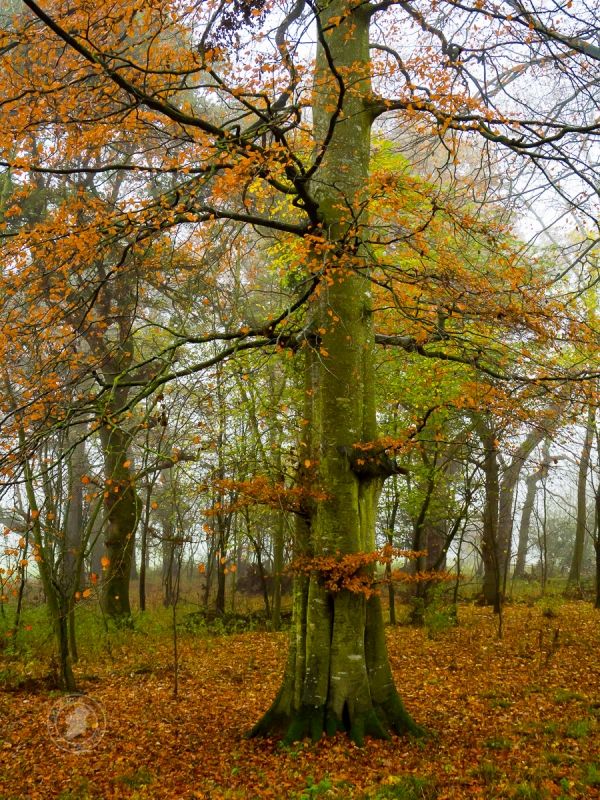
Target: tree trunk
(133,572)
(389,535)
(169,563)
(419,565)
(278,545)
(263,583)
(597,549)
(75,538)
(489,543)
(122,513)
(338,675)
(435,543)
(499,508)
(597,524)
(57,603)
(144,551)
(523,546)
(220,598)
(580,526)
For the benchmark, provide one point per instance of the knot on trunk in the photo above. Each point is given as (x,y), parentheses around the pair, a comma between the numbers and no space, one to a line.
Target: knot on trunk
(372,464)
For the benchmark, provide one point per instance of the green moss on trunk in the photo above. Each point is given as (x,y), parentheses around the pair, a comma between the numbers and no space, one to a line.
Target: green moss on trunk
(355,677)
(122,508)
(338,675)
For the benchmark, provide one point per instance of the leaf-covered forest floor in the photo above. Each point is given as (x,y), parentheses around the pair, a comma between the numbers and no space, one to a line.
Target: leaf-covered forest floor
(517,718)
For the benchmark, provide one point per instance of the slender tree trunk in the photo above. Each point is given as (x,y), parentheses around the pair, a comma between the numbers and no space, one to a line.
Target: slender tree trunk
(388,567)
(168,563)
(74,539)
(597,524)
(499,508)
(580,525)
(210,567)
(57,603)
(338,675)
(144,559)
(525,525)
(544,537)
(22,580)
(263,583)
(133,572)
(97,551)
(221,582)
(420,544)
(278,545)
(597,549)
(489,543)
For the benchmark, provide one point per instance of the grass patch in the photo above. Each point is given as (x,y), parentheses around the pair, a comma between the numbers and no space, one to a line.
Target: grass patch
(529,791)
(567,696)
(591,776)
(406,787)
(579,729)
(498,743)
(488,773)
(135,780)
(550,607)
(556,758)
(81,791)
(550,728)
(496,699)
(501,702)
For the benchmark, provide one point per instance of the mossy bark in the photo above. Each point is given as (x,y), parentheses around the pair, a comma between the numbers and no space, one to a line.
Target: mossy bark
(338,675)
(122,508)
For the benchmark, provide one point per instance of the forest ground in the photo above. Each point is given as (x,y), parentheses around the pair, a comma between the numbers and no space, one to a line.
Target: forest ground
(517,718)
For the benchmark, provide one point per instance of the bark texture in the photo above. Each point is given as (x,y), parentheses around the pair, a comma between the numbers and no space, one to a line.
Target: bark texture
(122,509)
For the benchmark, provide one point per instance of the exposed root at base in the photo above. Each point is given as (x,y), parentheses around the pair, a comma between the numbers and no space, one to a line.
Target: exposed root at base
(314,722)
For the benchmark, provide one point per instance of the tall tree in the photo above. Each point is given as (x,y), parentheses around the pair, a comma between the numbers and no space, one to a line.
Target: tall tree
(338,675)
(244,150)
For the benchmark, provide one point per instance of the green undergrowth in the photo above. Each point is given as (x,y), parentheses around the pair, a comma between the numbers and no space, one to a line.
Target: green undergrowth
(28,660)
(404,787)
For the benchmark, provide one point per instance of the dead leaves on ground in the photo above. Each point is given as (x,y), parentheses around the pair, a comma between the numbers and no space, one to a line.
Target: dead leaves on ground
(517,718)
